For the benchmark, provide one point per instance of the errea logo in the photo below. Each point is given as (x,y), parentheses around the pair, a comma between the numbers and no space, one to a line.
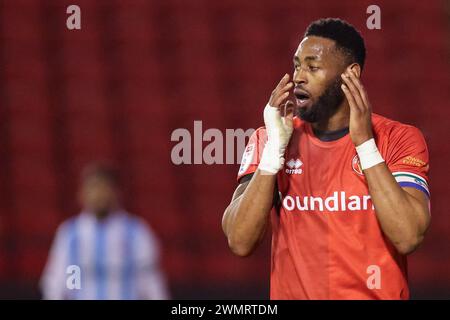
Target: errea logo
(293,166)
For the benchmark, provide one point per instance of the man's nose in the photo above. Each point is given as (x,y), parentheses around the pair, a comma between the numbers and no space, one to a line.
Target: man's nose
(300,77)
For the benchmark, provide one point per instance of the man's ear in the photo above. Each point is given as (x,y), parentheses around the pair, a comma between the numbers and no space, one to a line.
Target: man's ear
(356,69)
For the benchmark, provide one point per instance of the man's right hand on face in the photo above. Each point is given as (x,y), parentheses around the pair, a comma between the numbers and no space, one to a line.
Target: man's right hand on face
(278,120)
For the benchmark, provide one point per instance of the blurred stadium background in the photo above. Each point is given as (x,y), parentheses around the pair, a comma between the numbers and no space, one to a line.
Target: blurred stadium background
(137,70)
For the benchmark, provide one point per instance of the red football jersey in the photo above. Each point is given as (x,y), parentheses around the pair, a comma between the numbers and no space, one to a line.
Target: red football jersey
(326,239)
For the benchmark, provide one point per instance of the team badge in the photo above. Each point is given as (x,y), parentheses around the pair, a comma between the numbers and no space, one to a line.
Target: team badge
(356,165)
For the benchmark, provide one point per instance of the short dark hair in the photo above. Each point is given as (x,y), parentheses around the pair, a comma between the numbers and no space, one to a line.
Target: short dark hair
(102,171)
(347,38)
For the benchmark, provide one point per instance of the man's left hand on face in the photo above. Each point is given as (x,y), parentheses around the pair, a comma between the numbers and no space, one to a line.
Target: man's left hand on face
(360,110)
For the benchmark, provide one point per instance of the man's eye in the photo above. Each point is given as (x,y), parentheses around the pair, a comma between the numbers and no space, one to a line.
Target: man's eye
(296,67)
(313,68)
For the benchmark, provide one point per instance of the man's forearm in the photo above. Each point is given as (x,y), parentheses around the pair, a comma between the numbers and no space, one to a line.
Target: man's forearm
(247,215)
(245,219)
(401,216)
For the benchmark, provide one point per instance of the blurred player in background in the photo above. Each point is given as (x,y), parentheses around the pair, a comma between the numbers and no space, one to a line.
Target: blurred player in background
(348,187)
(117,253)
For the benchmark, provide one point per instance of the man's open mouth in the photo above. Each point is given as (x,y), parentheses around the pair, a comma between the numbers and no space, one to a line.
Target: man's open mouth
(302,97)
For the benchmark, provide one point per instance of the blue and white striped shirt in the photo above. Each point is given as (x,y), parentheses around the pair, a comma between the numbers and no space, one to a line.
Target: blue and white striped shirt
(117,259)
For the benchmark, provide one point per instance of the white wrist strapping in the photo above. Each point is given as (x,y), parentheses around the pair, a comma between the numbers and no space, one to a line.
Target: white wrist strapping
(368,154)
(278,135)
(271,160)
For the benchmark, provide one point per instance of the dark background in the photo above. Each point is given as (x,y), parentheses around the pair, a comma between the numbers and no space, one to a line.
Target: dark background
(137,70)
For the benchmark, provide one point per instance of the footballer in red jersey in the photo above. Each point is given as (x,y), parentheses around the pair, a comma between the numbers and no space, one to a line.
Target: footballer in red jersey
(343,190)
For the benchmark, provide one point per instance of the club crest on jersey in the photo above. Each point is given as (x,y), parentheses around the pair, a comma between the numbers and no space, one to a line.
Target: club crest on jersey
(293,166)
(356,165)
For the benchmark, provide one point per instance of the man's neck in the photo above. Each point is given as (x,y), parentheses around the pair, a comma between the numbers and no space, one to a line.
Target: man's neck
(338,121)
(103,214)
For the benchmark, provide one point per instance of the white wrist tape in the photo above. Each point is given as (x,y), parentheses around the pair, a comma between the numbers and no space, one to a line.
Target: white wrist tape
(271,162)
(272,159)
(368,154)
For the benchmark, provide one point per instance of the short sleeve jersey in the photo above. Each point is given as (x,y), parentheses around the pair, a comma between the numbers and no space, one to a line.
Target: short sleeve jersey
(326,239)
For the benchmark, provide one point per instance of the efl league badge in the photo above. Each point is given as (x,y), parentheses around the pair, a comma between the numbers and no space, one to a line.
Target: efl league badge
(247,158)
(356,165)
